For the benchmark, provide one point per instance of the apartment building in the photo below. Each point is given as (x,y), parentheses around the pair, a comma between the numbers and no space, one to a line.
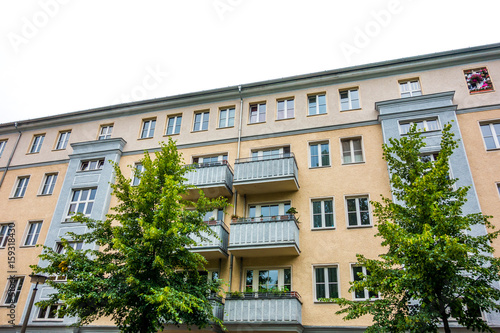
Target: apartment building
(312,142)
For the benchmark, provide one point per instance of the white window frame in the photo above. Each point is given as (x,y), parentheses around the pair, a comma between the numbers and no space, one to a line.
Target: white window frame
(230,113)
(92,165)
(282,208)
(48,311)
(17,289)
(48,184)
(62,139)
(36,144)
(288,113)
(358,211)
(136,172)
(350,99)
(105,132)
(315,109)
(59,249)
(3,143)
(322,213)
(270,153)
(326,282)
(320,154)
(365,291)
(495,136)
(498,188)
(174,123)
(79,202)
(21,186)
(422,125)
(4,233)
(255,277)
(148,128)
(406,89)
(352,151)
(210,160)
(32,233)
(201,121)
(255,116)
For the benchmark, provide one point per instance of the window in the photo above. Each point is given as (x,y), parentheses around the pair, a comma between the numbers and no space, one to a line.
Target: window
(410,88)
(326,282)
(148,128)
(49,183)
(82,201)
(268,210)
(361,294)
(105,132)
(322,212)
(174,125)
(201,121)
(50,312)
(92,165)
(351,151)
(264,280)
(22,184)
(349,99)
(432,157)
(138,170)
(37,143)
(358,213)
(320,154)
(491,135)
(33,233)
(286,108)
(3,143)
(226,117)
(316,104)
(74,245)
(216,214)
(422,125)
(498,188)
(271,153)
(478,80)
(206,161)
(257,113)
(13,289)
(4,233)
(62,140)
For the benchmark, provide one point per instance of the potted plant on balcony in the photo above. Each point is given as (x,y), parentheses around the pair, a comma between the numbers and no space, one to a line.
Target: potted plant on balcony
(212,221)
(235,294)
(291,212)
(234,218)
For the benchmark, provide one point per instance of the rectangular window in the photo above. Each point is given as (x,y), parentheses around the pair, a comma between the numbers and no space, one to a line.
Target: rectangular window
(4,233)
(357,275)
(316,104)
(478,80)
(322,212)
(271,153)
(33,233)
(201,121)
(320,154)
(3,143)
(410,88)
(358,211)
(326,282)
(206,161)
(257,113)
(148,128)
(82,201)
(491,135)
(352,152)
(105,132)
(74,245)
(226,117)
(62,140)
(50,312)
(21,186)
(349,99)
(422,125)
(268,280)
(138,170)
(13,290)
(286,108)
(37,143)
(214,215)
(174,125)
(96,164)
(268,210)
(49,183)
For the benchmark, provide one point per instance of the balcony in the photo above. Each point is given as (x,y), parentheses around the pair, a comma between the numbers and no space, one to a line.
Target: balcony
(215,179)
(265,236)
(257,308)
(213,246)
(276,173)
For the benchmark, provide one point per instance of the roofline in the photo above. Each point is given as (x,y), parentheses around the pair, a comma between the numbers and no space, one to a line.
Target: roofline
(346,74)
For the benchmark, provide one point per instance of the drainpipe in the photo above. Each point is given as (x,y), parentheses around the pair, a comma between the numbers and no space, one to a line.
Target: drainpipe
(11,155)
(241,122)
(230,273)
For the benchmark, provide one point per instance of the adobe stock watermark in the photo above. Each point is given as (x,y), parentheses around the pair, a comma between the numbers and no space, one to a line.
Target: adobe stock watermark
(364,36)
(224,6)
(31,26)
(153,78)
(11,298)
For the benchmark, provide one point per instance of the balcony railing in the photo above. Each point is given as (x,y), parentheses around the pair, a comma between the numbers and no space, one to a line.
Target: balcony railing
(264,307)
(275,173)
(254,237)
(215,178)
(213,246)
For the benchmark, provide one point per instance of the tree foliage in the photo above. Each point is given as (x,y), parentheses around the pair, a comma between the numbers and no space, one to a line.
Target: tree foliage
(436,266)
(140,272)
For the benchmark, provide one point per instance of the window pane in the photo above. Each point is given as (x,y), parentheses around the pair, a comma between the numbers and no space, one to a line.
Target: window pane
(363,203)
(320,275)
(317,221)
(353,220)
(333,290)
(287,279)
(320,291)
(328,206)
(351,205)
(365,218)
(329,220)
(317,207)
(332,274)
(85,194)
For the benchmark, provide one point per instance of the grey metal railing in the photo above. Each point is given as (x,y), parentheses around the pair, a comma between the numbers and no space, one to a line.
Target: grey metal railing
(219,240)
(266,167)
(213,173)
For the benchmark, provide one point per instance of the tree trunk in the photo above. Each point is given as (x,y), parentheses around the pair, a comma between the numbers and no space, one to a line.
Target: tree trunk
(446,326)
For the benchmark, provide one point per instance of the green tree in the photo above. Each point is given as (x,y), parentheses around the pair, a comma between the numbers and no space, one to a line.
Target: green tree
(142,275)
(435,268)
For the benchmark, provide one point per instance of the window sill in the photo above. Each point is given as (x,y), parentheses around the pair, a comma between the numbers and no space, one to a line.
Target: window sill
(44,195)
(220,128)
(15,198)
(27,246)
(359,226)
(321,167)
(319,302)
(285,119)
(167,135)
(480,91)
(47,320)
(8,305)
(323,229)
(424,132)
(58,149)
(318,114)
(256,123)
(493,149)
(347,110)
(85,171)
(33,153)
(354,163)
(199,131)
(150,137)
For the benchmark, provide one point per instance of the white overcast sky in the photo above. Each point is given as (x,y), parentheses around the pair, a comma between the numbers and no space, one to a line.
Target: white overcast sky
(62,56)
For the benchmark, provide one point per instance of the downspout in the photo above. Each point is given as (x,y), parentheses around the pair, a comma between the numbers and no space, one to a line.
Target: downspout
(11,155)
(241,122)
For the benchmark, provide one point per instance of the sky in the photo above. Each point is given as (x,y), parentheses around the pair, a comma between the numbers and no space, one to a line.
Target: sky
(59,56)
